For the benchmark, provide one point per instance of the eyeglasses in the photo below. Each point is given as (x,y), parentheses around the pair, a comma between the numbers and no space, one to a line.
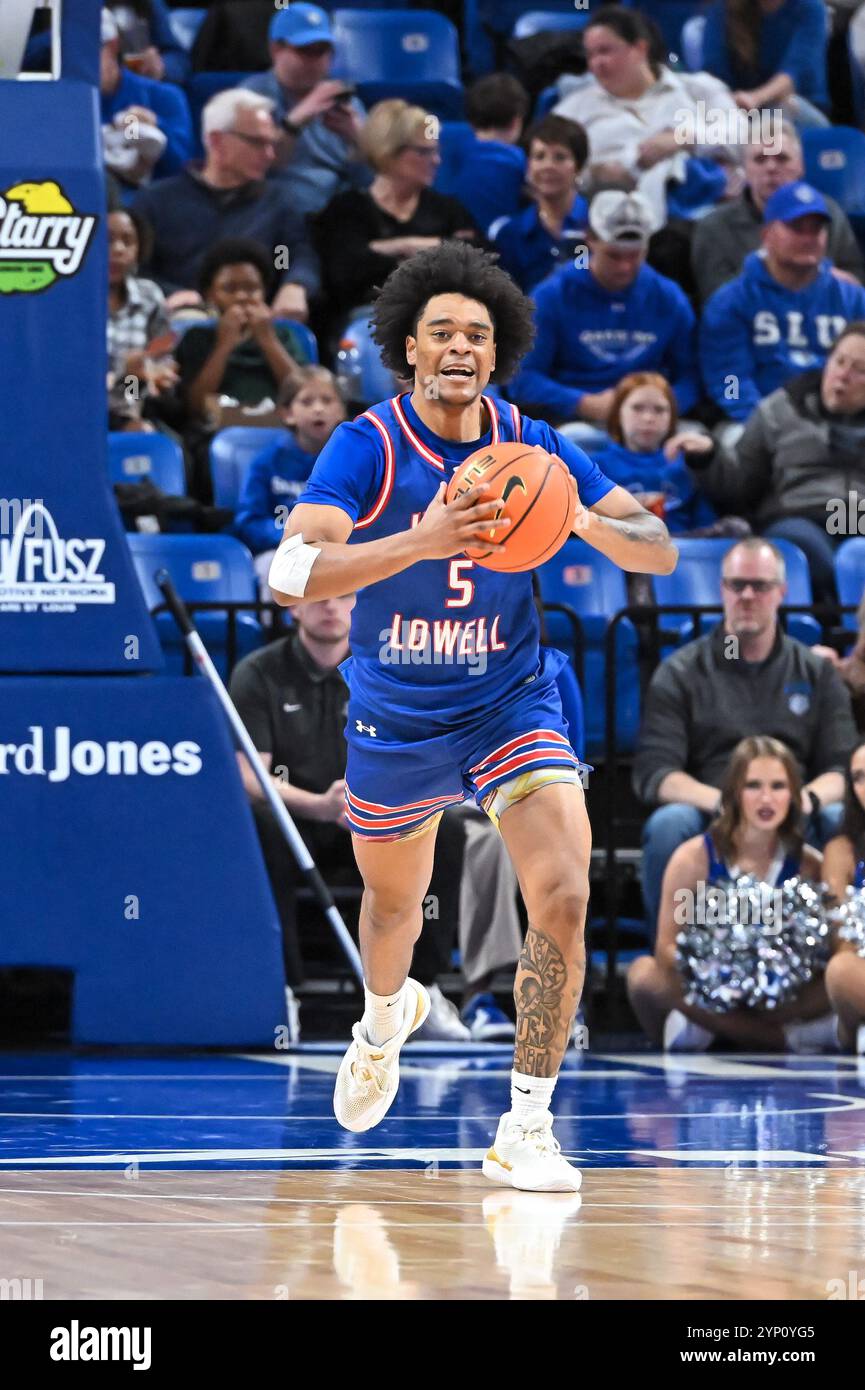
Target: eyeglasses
(760,586)
(260,141)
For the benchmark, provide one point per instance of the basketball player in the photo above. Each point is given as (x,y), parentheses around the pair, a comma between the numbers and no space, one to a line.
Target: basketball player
(450,695)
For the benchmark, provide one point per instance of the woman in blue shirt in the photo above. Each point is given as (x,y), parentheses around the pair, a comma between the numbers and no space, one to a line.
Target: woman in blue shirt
(545,235)
(771,53)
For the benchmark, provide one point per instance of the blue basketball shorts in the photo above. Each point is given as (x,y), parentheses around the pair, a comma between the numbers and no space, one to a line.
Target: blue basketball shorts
(404,771)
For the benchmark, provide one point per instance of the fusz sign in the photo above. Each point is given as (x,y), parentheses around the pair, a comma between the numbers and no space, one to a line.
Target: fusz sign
(88,757)
(42,237)
(47,569)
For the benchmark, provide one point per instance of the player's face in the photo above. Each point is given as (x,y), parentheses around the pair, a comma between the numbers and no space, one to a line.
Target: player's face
(454,352)
(751,591)
(857,774)
(765,794)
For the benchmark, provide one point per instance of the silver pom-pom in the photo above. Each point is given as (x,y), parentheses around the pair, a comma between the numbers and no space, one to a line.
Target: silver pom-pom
(849,918)
(752,946)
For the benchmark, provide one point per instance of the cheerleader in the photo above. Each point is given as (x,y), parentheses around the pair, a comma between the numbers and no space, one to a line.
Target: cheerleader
(844,866)
(757,831)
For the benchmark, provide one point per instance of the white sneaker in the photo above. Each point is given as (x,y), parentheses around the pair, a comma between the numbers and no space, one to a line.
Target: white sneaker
(292,1009)
(368,1076)
(443,1022)
(526,1156)
(681,1035)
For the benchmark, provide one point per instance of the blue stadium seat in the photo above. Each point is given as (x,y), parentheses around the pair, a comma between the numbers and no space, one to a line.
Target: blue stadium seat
(671,16)
(401,53)
(205,569)
(691,44)
(231,452)
(850,575)
(134,457)
(376,383)
(857,81)
(538,21)
(185,24)
(547,99)
(835,163)
(454,136)
(488,24)
(304,333)
(200,87)
(697,579)
(594,588)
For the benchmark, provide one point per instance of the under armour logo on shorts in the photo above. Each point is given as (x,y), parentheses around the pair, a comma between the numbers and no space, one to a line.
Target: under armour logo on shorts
(365,728)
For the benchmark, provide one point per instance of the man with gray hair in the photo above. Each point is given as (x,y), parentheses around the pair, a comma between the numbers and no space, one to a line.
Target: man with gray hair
(724,238)
(745,677)
(229,196)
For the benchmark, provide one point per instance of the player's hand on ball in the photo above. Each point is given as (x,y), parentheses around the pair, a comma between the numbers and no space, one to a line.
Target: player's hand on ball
(446,529)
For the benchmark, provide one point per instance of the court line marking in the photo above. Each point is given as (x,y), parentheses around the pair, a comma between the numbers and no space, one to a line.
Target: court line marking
(220,1228)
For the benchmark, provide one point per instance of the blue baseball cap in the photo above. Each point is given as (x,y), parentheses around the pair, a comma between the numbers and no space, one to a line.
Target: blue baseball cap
(300,25)
(795,200)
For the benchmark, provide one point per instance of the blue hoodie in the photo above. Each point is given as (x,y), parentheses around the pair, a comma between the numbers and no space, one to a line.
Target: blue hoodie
(588,338)
(755,334)
(275,479)
(685,507)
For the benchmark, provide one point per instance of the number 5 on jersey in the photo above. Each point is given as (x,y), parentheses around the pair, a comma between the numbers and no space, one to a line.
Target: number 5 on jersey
(464,587)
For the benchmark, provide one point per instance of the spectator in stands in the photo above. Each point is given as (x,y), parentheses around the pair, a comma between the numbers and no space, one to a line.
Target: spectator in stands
(642,120)
(772,53)
(802,452)
(544,237)
(146,124)
(724,238)
(597,322)
(229,197)
(745,677)
(492,166)
(843,868)
(139,334)
(756,829)
(147,40)
(851,667)
(781,316)
(319,118)
(363,235)
(311,407)
(648,455)
(245,355)
(293,699)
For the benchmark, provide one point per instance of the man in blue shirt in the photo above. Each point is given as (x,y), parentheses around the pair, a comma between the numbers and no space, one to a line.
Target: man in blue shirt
(781,316)
(319,120)
(490,167)
(126,97)
(600,321)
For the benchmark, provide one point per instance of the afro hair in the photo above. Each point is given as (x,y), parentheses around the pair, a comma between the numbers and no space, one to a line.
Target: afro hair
(452,268)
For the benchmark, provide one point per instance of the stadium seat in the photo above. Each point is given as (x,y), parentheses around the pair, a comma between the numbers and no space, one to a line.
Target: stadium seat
(539,21)
(203,569)
(200,87)
(697,579)
(857,81)
(691,44)
(185,24)
(134,457)
(850,575)
(671,16)
(231,452)
(835,163)
(594,588)
(401,53)
(374,382)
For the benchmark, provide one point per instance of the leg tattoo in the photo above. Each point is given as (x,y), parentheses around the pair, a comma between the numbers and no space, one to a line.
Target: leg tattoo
(544,1013)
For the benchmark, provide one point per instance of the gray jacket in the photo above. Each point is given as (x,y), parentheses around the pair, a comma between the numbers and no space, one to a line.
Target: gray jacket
(792,460)
(724,238)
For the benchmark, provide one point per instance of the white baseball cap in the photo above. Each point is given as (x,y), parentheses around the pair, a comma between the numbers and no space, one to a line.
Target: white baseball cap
(621,218)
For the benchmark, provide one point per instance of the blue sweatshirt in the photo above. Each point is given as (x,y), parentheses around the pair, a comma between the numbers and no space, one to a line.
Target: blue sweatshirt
(275,479)
(685,507)
(792,40)
(488,180)
(170,107)
(588,338)
(755,334)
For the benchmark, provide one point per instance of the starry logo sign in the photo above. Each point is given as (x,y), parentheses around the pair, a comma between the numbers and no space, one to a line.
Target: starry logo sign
(42,237)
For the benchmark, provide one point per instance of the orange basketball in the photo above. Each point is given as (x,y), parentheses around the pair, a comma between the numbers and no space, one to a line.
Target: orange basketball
(539,497)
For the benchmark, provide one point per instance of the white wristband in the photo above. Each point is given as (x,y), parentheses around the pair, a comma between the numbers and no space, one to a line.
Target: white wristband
(291,566)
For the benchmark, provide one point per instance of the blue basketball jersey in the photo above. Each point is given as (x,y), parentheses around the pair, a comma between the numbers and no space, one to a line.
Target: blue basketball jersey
(444,635)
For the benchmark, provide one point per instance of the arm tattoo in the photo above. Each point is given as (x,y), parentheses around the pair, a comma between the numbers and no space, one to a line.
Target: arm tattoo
(543,1016)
